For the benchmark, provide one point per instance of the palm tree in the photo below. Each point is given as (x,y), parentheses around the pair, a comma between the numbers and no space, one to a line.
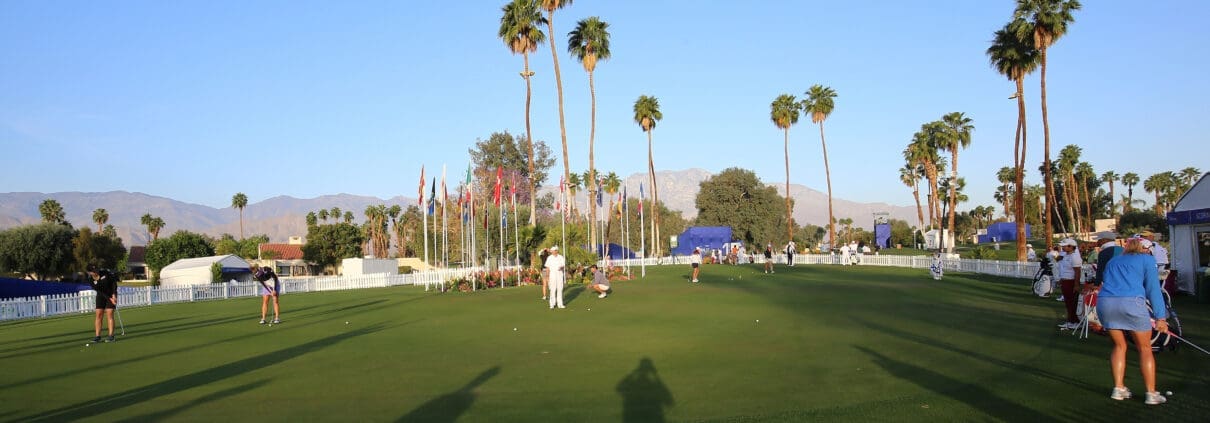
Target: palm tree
(1110,177)
(847,222)
(1046,22)
(52,211)
(784,113)
(819,104)
(335,214)
(1069,158)
(958,136)
(323,215)
(153,224)
(573,185)
(1157,184)
(1086,174)
(1006,175)
(909,174)
(100,217)
(1129,179)
(922,151)
(520,32)
(1014,57)
(612,184)
(589,42)
(312,219)
(551,6)
(646,114)
(1190,175)
(239,201)
(348,217)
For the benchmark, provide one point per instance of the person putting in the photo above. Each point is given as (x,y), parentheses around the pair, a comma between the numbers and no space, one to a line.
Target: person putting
(600,283)
(1130,280)
(695,261)
(105,283)
(262,275)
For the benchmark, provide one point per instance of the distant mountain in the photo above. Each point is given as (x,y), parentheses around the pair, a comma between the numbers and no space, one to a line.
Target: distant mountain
(284,216)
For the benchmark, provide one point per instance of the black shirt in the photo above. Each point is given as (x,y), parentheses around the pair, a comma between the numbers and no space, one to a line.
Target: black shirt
(106,283)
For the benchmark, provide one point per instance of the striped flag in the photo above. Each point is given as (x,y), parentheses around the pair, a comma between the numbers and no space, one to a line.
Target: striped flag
(499,184)
(420,191)
(640,199)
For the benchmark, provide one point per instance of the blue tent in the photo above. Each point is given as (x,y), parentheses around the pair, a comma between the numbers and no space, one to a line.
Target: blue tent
(616,252)
(711,237)
(19,288)
(1002,232)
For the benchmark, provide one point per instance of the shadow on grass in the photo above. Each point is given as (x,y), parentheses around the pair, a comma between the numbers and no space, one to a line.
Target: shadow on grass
(644,395)
(973,395)
(451,406)
(211,397)
(571,294)
(94,407)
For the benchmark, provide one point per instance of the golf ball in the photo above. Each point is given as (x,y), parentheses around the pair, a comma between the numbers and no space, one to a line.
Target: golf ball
(1168,393)
(88,345)
(346,323)
(757,320)
(514,328)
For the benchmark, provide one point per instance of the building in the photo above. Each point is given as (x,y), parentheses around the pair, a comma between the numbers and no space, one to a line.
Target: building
(285,259)
(1189,235)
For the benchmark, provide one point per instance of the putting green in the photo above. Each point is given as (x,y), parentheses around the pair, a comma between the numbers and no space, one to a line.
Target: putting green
(806,343)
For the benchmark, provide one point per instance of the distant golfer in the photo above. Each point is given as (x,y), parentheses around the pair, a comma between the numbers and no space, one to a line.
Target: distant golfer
(106,285)
(695,261)
(555,265)
(544,273)
(790,247)
(1130,280)
(769,258)
(262,275)
(600,282)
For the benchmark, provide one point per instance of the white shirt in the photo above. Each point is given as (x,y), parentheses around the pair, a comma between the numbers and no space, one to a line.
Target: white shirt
(696,258)
(556,263)
(1160,254)
(1070,265)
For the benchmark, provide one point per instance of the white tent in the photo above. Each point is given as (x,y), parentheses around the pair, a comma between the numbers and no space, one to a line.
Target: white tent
(1189,234)
(196,271)
(368,266)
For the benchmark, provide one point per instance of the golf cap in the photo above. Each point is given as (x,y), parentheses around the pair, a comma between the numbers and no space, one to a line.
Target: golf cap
(1144,242)
(1068,242)
(1106,236)
(555,248)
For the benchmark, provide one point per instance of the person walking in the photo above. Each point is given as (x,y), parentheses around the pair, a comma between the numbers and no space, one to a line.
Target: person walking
(263,274)
(555,265)
(1070,269)
(1130,280)
(790,248)
(105,283)
(769,258)
(695,261)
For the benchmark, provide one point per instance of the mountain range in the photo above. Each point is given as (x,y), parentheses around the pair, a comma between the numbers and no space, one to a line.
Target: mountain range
(284,216)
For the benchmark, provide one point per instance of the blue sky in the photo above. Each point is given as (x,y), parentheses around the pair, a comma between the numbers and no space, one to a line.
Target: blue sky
(198,100)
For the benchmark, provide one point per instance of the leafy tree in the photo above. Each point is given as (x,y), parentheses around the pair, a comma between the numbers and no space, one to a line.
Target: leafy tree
(181,245)
(784,112)
(1136,221)
(738,199)
(589,43)
(901,233)
(520,32)
(247,248)
(97,249)
(216,272)
(37,251)
(240,201)
(328,244)
(100,217)
(819,105)
(52,212)
(647,113)
(502,150)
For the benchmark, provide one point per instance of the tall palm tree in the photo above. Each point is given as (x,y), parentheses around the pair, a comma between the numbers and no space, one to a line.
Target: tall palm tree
(1110,177)
(958,136)
(1129,179)
(784,114)
(551,6)
(847,222)
(1157,184)
(1069,158)
(323,215)
(573,186)
(100,217)
(348,216)
(52,211)
(612,183)
(922,150)
(1086,174)
(335,213)
(153,224)
(239,201)
(819,104)
(1006,175)
(646,114)
(589,43)
(1014,57)
(520,32)
(909,174)
(1047,21)
(1190,175)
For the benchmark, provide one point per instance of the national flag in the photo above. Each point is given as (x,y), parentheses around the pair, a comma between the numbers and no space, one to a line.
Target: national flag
(420,191)
(640,199)
(625,200)
(432,195)
(499,184)
(444,195)
(512,189)
(468,182)
(600,193)
(504,220)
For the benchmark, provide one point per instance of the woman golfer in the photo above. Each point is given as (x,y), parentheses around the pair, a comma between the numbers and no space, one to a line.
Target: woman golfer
(695,261)
(1131,279)
(262,275)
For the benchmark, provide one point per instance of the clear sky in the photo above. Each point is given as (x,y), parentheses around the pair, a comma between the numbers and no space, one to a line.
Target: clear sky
(198,100)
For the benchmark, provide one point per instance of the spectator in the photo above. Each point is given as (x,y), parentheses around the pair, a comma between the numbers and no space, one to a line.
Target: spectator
(1070,268)
(600,283)
(695,261)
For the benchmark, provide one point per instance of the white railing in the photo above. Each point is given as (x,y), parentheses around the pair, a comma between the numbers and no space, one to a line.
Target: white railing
(85,301)
(1010,269)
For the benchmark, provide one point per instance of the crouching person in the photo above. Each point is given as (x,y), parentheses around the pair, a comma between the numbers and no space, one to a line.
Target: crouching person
(600,283)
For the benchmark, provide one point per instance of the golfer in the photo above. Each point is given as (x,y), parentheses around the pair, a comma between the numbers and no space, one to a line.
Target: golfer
(545,274)
(1070,269)
(106,285)
(600,283)
(695,261)
(769,258)
(1131,279)
(555,265)
(790,247)
(262,275)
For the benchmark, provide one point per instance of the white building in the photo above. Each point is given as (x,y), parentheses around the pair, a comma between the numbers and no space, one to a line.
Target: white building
(196,271)
(1189,235)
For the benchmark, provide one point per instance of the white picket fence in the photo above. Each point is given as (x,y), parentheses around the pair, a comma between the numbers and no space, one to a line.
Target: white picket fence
(85,301)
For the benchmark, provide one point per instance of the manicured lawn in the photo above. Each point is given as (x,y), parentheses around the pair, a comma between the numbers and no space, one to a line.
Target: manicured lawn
(807,343)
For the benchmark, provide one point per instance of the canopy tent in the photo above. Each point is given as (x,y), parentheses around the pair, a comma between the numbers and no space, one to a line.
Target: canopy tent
(710,237)
(1001,232)
(1189,235)
(196,271)
(616,252)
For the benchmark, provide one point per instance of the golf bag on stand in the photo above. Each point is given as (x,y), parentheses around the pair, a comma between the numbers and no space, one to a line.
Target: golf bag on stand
(1086,308)
(1044,278)
(1160,340)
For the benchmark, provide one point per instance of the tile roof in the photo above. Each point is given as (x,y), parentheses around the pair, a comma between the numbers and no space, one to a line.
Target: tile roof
(281,251)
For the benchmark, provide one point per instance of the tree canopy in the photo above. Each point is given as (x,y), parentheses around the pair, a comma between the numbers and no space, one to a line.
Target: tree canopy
(503,150)
(37,251)
(737,198)
(181,245)
(328,244)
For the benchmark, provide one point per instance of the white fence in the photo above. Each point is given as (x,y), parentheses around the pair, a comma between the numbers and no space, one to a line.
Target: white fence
(85,301)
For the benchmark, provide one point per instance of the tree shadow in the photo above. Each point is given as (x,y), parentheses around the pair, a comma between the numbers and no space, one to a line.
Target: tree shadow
(973,395)
(211,397)
(94,407)
(644,395)
(448,407)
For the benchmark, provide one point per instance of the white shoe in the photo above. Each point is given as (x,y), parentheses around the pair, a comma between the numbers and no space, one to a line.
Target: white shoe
(1060,299)
(601,296)
(1154,398)
(562,307)
(1069,326)
(695,281)
(1119,394)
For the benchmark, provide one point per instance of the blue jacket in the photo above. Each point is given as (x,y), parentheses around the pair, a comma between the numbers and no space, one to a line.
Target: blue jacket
(1135,275)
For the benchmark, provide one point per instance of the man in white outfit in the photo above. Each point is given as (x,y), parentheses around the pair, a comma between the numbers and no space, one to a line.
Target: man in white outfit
(1158,251)
(555,264)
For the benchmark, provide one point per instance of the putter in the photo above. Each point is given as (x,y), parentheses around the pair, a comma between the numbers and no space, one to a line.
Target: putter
(118,312)
(1178,337)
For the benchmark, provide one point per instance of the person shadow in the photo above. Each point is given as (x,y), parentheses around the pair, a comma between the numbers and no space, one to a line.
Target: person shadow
(448,407)
(644,395)
(570,295)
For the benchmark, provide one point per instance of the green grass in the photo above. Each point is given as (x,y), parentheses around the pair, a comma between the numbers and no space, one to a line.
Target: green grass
(832,343)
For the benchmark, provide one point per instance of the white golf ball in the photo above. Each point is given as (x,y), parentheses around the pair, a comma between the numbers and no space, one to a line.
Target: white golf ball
(757,320)
(514,328)
(88,345)
(1168,393)
(346,323)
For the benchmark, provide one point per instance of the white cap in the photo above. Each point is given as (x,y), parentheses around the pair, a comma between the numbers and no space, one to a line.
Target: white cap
(1146,243)
(1068,242)
(555,248)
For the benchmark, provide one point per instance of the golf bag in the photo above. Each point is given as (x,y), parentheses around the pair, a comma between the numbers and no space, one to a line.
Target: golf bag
(1044,278)
(1159,340)
(1086,308)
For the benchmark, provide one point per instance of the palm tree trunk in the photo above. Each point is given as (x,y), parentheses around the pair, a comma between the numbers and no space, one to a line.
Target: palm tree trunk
(828,174)
(1113,211)
(919,211)
(241,223)
(529,141)
(554,53)
(655,217)
(1019,195)
(930,173)
(592,190)
(1088,207)
(789,209)
(953,187)
(1050,188)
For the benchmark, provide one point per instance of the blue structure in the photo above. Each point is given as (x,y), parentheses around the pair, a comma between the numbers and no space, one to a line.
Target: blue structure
(1002,232)
(882,235)
(20,288)
(616,252)
(711,237)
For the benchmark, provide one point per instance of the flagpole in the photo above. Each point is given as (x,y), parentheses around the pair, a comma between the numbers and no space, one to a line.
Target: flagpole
(445,245)
(642,236)
(626,230)
(516,229)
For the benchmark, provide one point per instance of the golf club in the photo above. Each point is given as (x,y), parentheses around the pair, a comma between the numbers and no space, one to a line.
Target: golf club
(1187,342)
(118,312)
